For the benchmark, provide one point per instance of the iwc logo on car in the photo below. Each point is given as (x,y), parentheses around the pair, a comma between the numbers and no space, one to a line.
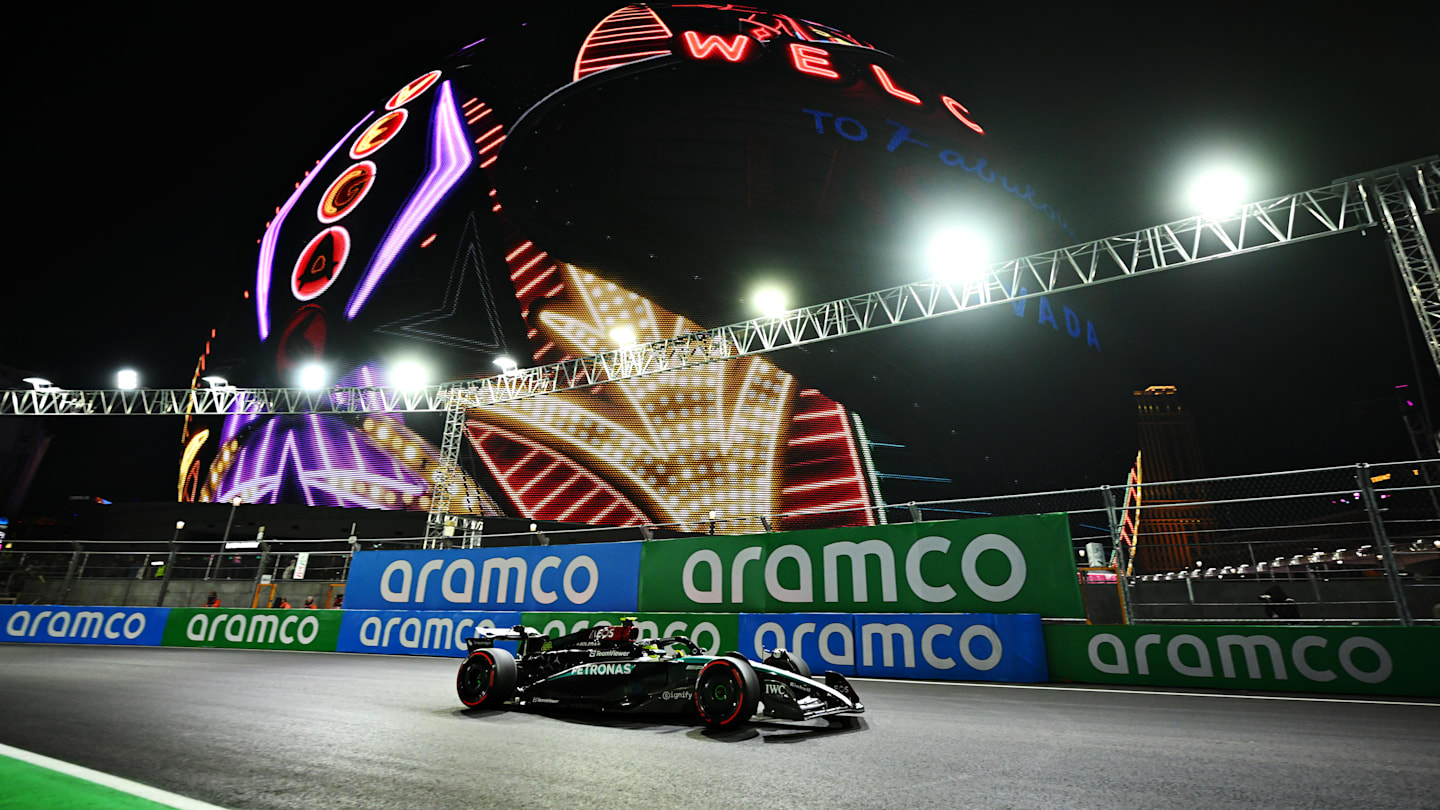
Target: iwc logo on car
(772,688)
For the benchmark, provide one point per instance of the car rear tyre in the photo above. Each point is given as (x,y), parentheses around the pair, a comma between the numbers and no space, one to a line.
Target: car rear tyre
(727,692)
(486,679)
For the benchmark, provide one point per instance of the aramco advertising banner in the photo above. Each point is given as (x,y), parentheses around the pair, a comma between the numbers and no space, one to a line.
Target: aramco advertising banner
(1361,660)
(952,647)
(406,632)
(594,576)
(983,565)
(56,624)
(714,632)
(313,630)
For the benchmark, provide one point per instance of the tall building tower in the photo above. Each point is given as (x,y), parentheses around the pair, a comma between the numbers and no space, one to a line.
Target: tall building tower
(1172,533)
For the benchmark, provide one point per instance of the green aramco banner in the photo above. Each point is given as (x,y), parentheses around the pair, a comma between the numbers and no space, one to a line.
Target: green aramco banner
(985,565)
(253,629)
(1358,660)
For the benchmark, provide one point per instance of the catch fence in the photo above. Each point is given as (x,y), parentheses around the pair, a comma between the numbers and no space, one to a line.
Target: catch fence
(1358,543)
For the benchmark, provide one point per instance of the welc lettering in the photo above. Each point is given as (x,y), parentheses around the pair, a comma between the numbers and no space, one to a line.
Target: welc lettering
(818,63)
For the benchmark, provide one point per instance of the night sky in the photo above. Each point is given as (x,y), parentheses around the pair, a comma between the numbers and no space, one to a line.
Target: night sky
(148,149)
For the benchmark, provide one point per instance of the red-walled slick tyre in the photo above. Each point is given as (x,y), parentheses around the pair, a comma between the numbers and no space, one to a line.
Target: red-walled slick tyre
(486,679)
(727,692)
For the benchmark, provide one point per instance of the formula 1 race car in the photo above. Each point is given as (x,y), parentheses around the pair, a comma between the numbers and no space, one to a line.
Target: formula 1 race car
(612,669)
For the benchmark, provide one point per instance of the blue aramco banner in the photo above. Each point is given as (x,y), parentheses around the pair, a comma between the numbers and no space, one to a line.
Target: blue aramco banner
(1008,648)
(593,577)
(405,632)
(57,624)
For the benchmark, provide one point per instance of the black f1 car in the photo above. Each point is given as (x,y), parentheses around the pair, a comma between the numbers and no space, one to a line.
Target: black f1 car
(613,669)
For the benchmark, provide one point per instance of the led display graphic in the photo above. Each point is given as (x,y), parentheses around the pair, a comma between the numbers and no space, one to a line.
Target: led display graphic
(346,192)
(320,263)
(378,134)
(429,243)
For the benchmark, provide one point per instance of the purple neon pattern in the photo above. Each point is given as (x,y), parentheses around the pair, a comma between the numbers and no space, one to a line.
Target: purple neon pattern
(264,269)
(449,160)
(327,455)
(365,377)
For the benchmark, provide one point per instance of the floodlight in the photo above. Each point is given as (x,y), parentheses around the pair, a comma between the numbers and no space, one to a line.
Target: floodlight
(1217,191)
(770,301)
(179,524)
(40,383)
(958,256)
(312,377)
(506,365)
(127,379)
(409,375)
(216,382)
(623,336)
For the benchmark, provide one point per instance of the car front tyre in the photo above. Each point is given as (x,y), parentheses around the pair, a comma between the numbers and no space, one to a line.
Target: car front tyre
(727,692)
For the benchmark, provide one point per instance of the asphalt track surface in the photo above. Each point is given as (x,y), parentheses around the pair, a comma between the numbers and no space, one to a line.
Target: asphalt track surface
(250,729)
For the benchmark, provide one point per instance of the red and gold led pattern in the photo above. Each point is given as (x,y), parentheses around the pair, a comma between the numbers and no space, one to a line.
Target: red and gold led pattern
(378,134)
(737,437)
(320,263)
(346,192)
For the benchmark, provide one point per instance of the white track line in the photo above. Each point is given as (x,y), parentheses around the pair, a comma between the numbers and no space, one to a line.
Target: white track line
(1153,692)
(153,794)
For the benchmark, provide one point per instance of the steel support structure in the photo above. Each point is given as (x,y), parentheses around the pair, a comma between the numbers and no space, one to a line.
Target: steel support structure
(1414,254)
(1344,205)
(446,477)
(1337,208)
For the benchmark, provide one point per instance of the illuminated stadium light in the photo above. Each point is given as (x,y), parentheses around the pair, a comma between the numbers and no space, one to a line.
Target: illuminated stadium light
(40,383)
(771,302)
(409,375)
(216,381)
(312,377)
(958,256)
(507,366)
(1217,191)
(623,336)
(127,379)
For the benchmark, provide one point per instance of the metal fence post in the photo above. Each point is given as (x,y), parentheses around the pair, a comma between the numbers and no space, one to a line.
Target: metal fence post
(165,581)
(1382,543)
(70,573)
(264,559)
(1120,561)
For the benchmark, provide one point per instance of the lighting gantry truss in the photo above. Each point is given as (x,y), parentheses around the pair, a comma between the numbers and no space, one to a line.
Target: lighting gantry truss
(1391,199)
